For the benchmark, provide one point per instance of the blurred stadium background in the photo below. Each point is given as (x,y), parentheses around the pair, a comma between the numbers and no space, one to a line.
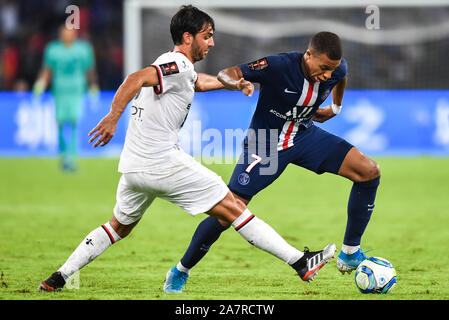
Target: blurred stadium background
(397,87)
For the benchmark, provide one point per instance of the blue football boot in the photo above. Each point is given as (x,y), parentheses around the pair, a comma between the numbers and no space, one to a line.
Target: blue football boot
(175,280)
(349,262)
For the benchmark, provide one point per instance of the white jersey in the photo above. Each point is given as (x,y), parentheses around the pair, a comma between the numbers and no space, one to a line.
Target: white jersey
(158,113)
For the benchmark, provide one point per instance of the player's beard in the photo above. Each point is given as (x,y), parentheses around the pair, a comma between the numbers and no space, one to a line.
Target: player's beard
(198,53)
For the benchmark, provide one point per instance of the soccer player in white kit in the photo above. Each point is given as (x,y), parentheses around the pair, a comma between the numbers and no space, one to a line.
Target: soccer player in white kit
(153,165)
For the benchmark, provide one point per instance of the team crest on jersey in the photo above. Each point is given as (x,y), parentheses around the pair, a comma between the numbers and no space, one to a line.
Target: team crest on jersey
(325,94)
(258,64)
(169,68)
(243,178)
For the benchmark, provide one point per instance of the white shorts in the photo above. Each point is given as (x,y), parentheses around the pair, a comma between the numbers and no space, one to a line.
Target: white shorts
(176,177)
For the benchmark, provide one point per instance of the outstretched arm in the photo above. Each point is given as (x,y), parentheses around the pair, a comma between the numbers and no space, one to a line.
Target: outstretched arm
(326,113)
(232,79)
(105,129)
(207,82)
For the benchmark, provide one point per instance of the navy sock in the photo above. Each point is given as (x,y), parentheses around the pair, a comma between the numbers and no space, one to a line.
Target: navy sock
(207,232)
(360,207)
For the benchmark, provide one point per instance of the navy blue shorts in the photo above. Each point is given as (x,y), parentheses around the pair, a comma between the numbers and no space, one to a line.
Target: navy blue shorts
(314,149)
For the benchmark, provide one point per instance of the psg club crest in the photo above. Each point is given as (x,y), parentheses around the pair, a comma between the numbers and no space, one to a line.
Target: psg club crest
(244,178)
(325,94)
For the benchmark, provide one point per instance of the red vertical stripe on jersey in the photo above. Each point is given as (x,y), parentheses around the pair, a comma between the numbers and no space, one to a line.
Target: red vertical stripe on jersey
(287,134)
(309,94)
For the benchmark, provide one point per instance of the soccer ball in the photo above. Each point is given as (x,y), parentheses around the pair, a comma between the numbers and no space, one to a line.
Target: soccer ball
(375,275)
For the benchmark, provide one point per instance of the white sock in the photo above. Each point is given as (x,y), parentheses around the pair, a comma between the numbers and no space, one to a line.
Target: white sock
(349,249)
(91,247)
(261,235)
(181,268)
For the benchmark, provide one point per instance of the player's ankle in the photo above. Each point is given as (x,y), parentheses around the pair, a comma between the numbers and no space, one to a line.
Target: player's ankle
(349,249)
(181,268)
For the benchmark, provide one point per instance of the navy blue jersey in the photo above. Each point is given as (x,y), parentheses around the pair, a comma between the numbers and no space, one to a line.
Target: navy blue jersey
(287,100)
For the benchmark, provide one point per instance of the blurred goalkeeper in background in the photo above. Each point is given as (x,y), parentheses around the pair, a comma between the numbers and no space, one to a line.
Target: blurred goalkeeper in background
(69,66)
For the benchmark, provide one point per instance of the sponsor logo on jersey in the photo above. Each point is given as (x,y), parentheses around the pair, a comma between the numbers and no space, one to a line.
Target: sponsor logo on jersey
(169,68)
(297,114)
(137,112)
(279,115)
(258,64)
(243,178)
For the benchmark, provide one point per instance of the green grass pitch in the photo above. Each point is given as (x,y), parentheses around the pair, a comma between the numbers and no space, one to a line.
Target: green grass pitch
(45,214)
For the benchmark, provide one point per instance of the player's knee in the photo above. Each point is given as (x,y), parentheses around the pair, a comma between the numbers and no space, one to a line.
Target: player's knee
(228,209)
(234,206)
(121,229)
(372,171)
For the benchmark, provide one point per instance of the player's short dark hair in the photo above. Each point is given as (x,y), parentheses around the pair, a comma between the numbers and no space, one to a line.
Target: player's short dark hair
(188,19)
(328,43)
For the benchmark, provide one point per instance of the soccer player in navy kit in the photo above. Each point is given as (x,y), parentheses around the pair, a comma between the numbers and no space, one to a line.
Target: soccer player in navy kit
(292,88)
